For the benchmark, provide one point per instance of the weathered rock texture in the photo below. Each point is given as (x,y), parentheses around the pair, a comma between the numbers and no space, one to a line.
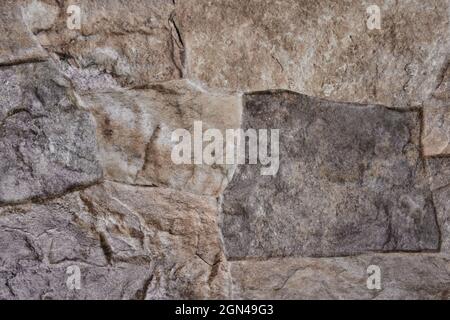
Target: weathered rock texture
(320,48)
(438,171)
(134,130)
(405,276)
(348,182)
(18,44)
(87,181)
(133,42)
(47,142)
(129,243)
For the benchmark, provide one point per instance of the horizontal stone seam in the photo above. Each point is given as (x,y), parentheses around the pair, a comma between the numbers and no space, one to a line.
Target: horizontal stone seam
(44,200)
(22,61)
(394,253)
(359,104)
(138,185)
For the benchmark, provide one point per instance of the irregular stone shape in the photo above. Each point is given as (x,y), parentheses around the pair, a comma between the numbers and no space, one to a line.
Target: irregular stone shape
(17,43)
(134,130)
(319,48)
(350,180)
(133,42)
(436,138)
(129,242)
(442,204)
(403,276)
(47,143)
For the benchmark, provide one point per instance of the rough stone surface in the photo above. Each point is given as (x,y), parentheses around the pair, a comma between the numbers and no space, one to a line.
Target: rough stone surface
(443,90)
(438,171)
(129,243)
(39,15)
(87,179)
(320,48)
(403,276)
(47,143)
(442,203)
(131,42)
(17,42)
(436,138)
(349,182)
(134,130)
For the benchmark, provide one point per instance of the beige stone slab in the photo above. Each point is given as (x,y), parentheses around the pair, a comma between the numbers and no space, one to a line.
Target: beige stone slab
(134,131)
(403,276)
(320,48)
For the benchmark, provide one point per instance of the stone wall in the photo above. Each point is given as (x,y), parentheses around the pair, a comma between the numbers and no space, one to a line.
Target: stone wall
(87,180)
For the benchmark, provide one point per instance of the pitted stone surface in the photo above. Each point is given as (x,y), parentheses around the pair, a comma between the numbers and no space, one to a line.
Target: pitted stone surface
(47,142)
(134,130)
(402,276)
(128,242)
(87,181)
(128,43)
(349,182)
(320,48)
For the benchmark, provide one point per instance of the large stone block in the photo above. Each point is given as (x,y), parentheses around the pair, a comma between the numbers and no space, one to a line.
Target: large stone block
(47,142)
(128,242)
(351,180)
(320,48)
(402,276)
(128,43)
(134,131)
